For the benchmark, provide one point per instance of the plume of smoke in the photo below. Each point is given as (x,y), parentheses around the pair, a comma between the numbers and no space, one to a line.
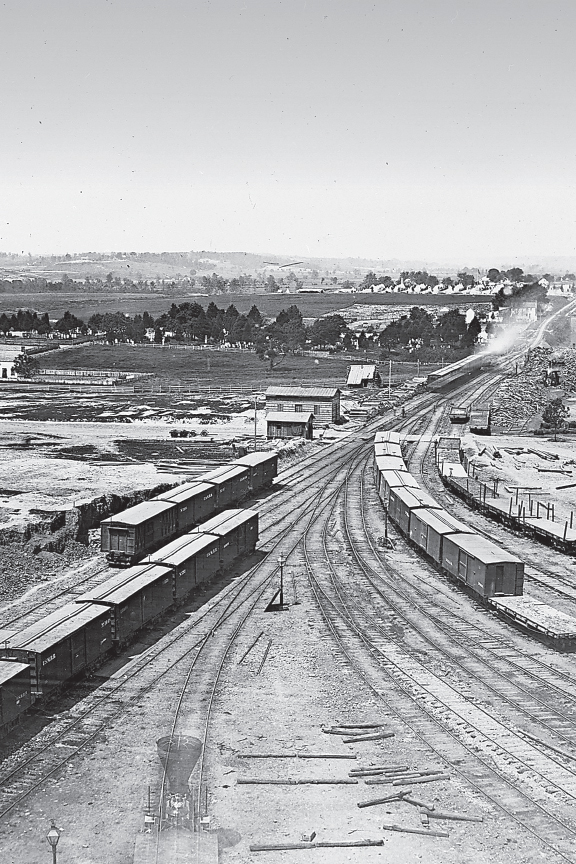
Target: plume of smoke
(506,339)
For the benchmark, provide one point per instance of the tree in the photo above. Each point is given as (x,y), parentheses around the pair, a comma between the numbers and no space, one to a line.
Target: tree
(493,274)
(555,414)
(25,365)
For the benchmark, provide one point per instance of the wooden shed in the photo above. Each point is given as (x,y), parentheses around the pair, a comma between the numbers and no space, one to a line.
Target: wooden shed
(322,402)
(289,424)
(363,376)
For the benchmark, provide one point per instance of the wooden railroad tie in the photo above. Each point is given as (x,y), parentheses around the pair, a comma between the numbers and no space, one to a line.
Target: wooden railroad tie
(253,781)
(296,756)
(318,844)
(427,832)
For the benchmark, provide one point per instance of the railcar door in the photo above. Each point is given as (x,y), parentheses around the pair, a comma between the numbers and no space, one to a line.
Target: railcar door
(499,585)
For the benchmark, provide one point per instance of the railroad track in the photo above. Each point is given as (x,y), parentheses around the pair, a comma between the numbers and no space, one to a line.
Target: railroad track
(448,722)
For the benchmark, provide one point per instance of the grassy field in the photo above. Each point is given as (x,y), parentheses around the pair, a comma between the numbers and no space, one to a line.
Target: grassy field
(217,368)
(311,305)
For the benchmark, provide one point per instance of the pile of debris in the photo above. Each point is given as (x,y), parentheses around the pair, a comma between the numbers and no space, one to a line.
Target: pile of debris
(525,395)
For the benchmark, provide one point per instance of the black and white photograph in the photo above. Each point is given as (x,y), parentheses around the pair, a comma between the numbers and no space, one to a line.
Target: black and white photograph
(288,432)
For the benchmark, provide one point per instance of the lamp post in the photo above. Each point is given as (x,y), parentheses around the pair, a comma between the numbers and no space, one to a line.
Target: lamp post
(53,837)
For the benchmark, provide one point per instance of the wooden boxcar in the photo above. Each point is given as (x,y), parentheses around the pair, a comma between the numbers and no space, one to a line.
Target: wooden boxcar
(194,558)
(135,597)
(387,448)
(403,501)
(237,531)
(194,502)
(429,527)
(140,529)
(232,483)
(15,691)
(61,645)
(263,467)
(388,480)
(483,566)
(387,435)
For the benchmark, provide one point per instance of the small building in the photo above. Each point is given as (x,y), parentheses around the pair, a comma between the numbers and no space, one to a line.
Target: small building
(289,424)
(363,376)
(322,402)
(8,355)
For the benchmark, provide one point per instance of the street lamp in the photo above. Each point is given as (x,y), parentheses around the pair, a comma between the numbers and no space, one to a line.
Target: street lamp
(53,837)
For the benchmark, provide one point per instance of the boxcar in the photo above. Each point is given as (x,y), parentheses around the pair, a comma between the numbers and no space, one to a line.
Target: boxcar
(194,558)
(263,468)
(61,645)
(194,503)
(429,527)
(402,501)
(387,435)
(389,463)
(15,691)
(232,483)
(237,531)
(387,448)
(140,529)
(483,566)
(394,480)
(135,597)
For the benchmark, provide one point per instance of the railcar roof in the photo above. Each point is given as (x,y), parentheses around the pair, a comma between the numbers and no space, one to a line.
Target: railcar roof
(118,593)
(483,549)
(140,512)
(182,549)
(186,492)
(10,669)
(443,523)
(252,459)
(225,472)
(399,478)
(118,580)
(55,627)
(387,435)
(226,521)
(390,463)
(416,498)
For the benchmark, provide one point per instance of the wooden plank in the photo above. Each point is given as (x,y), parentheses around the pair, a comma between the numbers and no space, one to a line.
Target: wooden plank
(427,832)
(253,781)
(429,779)
(375,737)
(296,756)
(455,817)
(373,801)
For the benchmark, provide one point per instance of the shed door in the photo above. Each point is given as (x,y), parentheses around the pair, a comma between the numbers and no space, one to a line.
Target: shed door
(499,586)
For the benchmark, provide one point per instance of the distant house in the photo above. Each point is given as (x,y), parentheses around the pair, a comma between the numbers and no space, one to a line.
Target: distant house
(289,424)
(363,376)
(7,357)
(322,402)
(525,311)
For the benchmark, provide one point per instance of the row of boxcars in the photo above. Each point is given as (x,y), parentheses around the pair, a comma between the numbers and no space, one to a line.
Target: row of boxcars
(129,536)
(44,656)
(458,373)
(453,547)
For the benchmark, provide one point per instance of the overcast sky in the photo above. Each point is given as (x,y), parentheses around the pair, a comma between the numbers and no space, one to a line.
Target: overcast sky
(440,129)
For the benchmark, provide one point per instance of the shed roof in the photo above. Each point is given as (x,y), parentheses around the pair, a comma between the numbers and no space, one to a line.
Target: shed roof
(361,373)
(483,549)
(304,392)
(140,512)
(291,417)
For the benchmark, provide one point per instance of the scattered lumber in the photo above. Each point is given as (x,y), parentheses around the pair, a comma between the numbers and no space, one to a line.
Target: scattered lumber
(554,471)
(373,801)
(416,802)
(297,756)
(427,832)
(373,773)
(455,817)
(431,778)
(358,726)
(320,844)
(566,486)
(253,781)
(375,737)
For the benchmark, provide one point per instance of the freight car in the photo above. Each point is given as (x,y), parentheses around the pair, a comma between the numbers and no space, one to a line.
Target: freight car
(130,535)
(490,573)
(453,548)
(42,658)
(459,372)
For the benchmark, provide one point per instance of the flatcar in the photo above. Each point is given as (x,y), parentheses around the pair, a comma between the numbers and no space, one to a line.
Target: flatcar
(127,536)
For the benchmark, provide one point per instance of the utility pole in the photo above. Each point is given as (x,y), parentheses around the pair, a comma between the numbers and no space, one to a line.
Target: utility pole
(255,420)
(389,378)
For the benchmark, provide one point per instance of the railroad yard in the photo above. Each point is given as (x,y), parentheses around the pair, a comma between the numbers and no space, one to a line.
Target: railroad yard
(381,713)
